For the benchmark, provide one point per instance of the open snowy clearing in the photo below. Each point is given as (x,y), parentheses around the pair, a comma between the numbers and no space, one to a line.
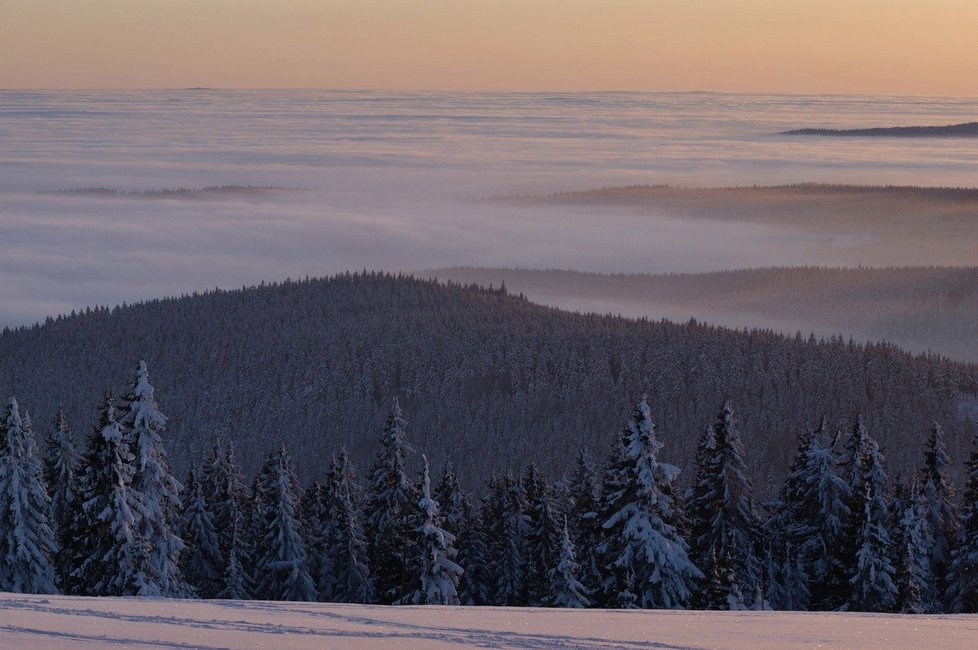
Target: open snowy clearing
(68,622)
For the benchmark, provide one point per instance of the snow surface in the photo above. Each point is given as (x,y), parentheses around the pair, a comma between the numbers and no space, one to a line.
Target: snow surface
(73,622)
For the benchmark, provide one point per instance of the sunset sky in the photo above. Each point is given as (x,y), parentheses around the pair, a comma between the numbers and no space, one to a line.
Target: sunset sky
(865,46)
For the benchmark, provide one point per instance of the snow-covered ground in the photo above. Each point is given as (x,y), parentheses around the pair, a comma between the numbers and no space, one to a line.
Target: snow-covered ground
(29,622)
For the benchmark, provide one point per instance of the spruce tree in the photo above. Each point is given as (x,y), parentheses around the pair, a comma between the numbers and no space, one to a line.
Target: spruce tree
(940,511)
(202,562)
(391,495)
(27,543)
(111,557)
(915,580)
(159,491)
(510,553)
(873,586)
(723,521)
(283,570)
(61,466)
(962,574)
(565,588)
(543,535)
(314,513)
(650,552)
(439,571)
(583,516)
(608,548)
(475,585)
(225,494)
(348,556)
(236,583)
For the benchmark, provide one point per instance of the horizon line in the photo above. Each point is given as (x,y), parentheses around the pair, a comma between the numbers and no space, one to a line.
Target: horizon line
(490,91)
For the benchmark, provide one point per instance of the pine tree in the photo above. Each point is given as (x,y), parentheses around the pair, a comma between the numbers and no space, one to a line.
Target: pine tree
(566,589)
(722,515)
(873,587)
(962,574)
(284,573)
(201,562)
(159,491)
(391,499)
(111,557)
(351,578)
(650,552)
(941,513)
(27,543)
(439,571)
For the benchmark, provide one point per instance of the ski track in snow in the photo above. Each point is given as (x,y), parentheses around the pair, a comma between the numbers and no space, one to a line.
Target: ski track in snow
(69,622)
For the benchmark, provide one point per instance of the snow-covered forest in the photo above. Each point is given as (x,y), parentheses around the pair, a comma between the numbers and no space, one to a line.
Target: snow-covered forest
(106,517)
(486,378)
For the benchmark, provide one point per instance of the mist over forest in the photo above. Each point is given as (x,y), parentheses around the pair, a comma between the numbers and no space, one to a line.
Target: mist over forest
(921,309)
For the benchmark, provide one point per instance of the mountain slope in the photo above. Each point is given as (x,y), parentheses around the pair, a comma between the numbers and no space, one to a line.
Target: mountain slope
(918,308)
(488,379)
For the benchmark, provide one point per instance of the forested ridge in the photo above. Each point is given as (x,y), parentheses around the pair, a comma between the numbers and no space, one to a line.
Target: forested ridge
(932,308)
(486,378)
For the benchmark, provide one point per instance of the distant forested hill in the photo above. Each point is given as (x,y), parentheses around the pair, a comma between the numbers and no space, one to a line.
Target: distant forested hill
(489,379)
(920,308)
(964,130)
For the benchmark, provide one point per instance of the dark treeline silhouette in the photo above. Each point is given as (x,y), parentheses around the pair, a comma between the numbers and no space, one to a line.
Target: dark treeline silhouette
(963,130)
(110,520)
(487,378)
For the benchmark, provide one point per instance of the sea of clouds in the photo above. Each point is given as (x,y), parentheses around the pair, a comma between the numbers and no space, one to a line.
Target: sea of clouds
(389,181)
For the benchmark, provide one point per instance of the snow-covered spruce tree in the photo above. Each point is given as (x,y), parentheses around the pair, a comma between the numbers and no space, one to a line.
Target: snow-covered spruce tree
(815,516)
(787,580)
(111,557)
(351,581)
(236,583)
(475,585)
(283,570)
(608,548)
(27,543)
(649,548)
(721,508)
(61,464)
(566,589)
(225,493)
(941,513)
(391,496)
(543,534)
(873,586)
(202,562)
(314,513)
(439,571)
(461,519)
(583,516)
(509,552)
(962,574)
(159,522)
(915,580)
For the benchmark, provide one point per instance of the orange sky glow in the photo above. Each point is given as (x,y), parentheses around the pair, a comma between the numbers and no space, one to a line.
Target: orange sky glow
(870,46)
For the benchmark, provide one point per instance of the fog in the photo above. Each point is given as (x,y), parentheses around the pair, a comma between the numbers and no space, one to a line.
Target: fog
(387,181)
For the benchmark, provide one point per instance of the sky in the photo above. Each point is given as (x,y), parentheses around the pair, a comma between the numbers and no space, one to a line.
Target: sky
(912,47)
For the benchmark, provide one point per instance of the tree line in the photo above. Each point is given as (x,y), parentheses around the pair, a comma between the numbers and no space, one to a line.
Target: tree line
(112,520)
